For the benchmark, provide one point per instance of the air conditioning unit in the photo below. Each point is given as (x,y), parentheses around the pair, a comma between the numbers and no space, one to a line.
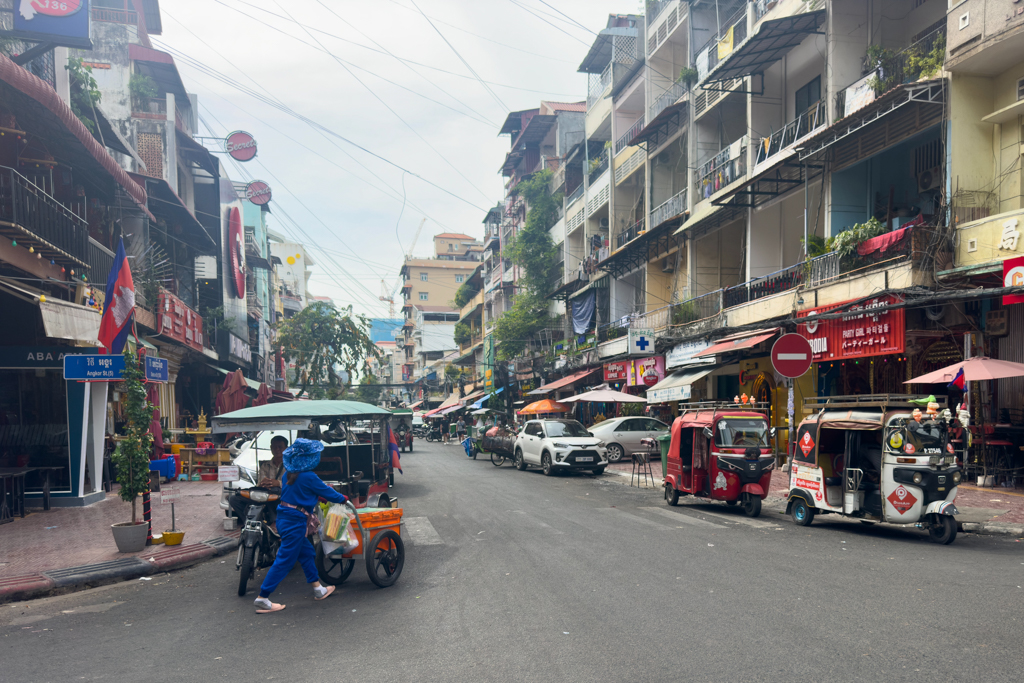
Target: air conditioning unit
(930,179)
(602,224)
(668,265)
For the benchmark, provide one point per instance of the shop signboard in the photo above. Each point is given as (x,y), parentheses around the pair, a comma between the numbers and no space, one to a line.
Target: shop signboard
(641,342)
(682,354)
(34,357)
(867,328)
(258,192)
(645,372)
(616,372)
(1013,276)
(240,146)
(237,349)
(179,322)
(58,22)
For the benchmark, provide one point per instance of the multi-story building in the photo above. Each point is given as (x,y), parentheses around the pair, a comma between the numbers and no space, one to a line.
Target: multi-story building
(293,272)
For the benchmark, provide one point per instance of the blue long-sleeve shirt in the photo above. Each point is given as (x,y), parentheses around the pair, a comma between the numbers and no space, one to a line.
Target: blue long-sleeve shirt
(306,491)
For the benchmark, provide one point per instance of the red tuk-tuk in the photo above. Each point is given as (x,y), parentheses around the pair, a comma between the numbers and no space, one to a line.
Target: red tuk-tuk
(712,455)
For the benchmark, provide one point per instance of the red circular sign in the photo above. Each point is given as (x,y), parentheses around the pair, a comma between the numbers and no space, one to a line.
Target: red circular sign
(53,8)
(258,192)
(236,252)
(240,145)
(791,355)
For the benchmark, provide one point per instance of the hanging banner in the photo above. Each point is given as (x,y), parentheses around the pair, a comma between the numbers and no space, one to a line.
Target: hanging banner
(867,329)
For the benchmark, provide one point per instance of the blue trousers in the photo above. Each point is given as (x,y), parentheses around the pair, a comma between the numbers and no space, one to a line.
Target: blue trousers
(294,548)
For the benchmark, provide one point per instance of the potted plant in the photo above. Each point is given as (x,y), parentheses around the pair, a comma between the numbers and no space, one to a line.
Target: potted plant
(131,457)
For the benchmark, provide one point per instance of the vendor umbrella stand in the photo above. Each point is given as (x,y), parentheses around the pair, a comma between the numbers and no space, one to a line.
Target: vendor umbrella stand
(543,407)
(977,369)
(605,394)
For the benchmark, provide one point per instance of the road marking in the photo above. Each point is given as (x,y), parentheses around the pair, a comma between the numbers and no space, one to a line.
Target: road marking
(419,531)
(680,517)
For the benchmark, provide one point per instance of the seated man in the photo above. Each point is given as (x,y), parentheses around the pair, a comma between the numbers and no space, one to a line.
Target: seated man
(269,475)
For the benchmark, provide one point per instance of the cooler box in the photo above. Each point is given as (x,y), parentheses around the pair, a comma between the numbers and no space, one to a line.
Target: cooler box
(374,521)
(165,467)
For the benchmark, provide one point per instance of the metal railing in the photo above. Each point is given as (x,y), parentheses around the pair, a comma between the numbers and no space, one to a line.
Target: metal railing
(114,16)
(667,99)
(758,288)
(697,308)
(623,141)
(100,260)
(654,8)
(629,234)
(576,194)
(150,105)
(597,85)
(599,169)
(813,118)
(26,205)
(708,53)
(674,206)
(824,269)
(727,166)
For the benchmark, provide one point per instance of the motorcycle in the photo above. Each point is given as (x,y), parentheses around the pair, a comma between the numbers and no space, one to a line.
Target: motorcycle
(258,543)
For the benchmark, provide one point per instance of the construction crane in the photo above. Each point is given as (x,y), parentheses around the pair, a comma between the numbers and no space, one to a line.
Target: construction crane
(387,295)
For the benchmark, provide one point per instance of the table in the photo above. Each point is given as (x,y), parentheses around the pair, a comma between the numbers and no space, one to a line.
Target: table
(197,463)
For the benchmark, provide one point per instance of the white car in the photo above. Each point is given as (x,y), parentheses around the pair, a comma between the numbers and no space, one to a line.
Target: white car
(623,435)
(559,445)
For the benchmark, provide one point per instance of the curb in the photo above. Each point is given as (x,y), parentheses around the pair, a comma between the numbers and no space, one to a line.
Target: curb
(994,529)
(55,581)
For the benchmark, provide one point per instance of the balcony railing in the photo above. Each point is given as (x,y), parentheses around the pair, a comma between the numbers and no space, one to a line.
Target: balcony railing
(675,206)
(150,106)
(28,207)
(667,99)
(819,271)
(597,85)
(114,16)
(101,260)
(576,194)
(656,7)
(810,120)
(698,308)
(727,166)
(708,58)
(599,169)
(824,269)
(623,141)
(629,234)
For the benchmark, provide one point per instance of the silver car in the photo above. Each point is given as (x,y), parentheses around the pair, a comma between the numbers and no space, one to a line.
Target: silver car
(622,434)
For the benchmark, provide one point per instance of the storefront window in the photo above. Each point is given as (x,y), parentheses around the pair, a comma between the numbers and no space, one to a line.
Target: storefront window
(34,426)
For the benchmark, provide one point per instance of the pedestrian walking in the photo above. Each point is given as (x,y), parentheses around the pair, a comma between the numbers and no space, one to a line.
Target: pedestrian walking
(446,430)
(296,519)
(460,428)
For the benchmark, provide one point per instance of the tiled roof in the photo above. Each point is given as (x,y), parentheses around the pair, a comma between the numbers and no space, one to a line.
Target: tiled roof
(454,236)
(566,106)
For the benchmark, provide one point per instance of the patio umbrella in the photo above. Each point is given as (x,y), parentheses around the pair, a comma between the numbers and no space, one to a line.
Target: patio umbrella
(975,370)
(605,394)
(232,393)
(263,395)
(544,406)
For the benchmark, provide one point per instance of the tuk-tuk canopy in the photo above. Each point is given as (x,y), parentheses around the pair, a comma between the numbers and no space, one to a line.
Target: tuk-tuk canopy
(295,415)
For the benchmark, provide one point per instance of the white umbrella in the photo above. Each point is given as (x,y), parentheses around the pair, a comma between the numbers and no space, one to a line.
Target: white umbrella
(482,411)
(604,394)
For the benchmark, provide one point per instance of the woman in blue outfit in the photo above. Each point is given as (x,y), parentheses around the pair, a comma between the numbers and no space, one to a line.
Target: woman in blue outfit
(299,496)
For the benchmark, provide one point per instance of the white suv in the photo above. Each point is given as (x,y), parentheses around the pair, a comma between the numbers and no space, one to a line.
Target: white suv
(559,445)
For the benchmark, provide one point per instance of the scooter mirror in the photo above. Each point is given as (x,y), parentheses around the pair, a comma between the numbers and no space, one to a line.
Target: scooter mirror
(771,432)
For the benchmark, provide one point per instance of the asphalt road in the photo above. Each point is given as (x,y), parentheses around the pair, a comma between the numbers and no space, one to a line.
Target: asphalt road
(513,576)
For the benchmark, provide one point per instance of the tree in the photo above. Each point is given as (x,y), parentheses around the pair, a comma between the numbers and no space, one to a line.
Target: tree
(369,389)
(321,339)
(534,252)
(131,457)
(85,92)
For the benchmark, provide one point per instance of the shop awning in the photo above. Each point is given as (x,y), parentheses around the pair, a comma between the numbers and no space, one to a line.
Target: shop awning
(472,397)
(564,382)
(415,405)
(738,342)
(480,403)
(450,410)
(435,411)
(773,40)
(61,319)
(452,400)
(676,387)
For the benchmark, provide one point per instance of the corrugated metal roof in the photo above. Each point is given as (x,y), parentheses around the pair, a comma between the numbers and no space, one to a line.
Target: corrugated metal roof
(565,106)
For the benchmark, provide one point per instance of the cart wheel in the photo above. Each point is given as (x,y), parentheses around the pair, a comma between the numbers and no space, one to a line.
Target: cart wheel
(671,495)
(497,459)
(751,505)
(332,570)
(801,514)
(385,557)
(943,532)
(249,564)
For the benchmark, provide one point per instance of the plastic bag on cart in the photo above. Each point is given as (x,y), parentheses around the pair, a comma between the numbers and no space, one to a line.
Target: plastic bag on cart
(337,528)
(467,444)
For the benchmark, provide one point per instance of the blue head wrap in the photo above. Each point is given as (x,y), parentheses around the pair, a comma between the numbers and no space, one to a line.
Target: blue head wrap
(303,455)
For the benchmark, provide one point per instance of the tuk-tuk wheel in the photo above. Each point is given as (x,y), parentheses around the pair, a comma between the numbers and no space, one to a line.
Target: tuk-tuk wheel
(801,513)
(751,505)
(385,558)
(671,495)
(332,570)
(943,530)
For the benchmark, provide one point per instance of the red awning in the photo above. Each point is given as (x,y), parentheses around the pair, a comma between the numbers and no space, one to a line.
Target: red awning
(564,382)
(432,412)
(31,87)
(415,405)
(736,344)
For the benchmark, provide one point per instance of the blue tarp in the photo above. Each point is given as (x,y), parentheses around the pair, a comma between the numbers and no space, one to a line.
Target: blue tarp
(480,403)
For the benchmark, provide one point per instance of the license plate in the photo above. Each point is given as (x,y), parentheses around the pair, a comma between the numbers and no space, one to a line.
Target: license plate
(587,459)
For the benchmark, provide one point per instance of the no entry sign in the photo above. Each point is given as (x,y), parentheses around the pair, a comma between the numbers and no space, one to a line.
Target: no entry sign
(791,355)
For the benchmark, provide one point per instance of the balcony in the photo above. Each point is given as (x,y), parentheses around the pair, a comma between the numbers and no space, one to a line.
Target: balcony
(812,119)
(598,169)
(626,137)
(101,260)
(629,234)
(667,99)
(114,16)
(713,51)
(576,194)
(726,167)
(598,85)
(674,206)
(35,219)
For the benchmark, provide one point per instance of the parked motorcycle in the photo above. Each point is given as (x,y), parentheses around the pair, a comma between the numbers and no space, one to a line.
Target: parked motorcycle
(258,543)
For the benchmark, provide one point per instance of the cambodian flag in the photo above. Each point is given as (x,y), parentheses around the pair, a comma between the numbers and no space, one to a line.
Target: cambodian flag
(396,463)
(119,305)
(958,381)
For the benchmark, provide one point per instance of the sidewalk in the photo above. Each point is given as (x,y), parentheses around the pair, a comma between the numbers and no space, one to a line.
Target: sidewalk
(68,547)
(982,510)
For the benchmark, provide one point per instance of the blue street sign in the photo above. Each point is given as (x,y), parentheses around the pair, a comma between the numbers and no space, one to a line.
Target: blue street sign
(94,367)
(110,368)
(156,369)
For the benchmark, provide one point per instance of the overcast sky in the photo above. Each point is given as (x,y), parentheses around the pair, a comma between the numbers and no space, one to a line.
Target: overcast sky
(328,61)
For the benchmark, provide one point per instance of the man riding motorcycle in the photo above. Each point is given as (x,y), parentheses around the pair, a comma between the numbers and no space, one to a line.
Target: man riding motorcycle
(269,475)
